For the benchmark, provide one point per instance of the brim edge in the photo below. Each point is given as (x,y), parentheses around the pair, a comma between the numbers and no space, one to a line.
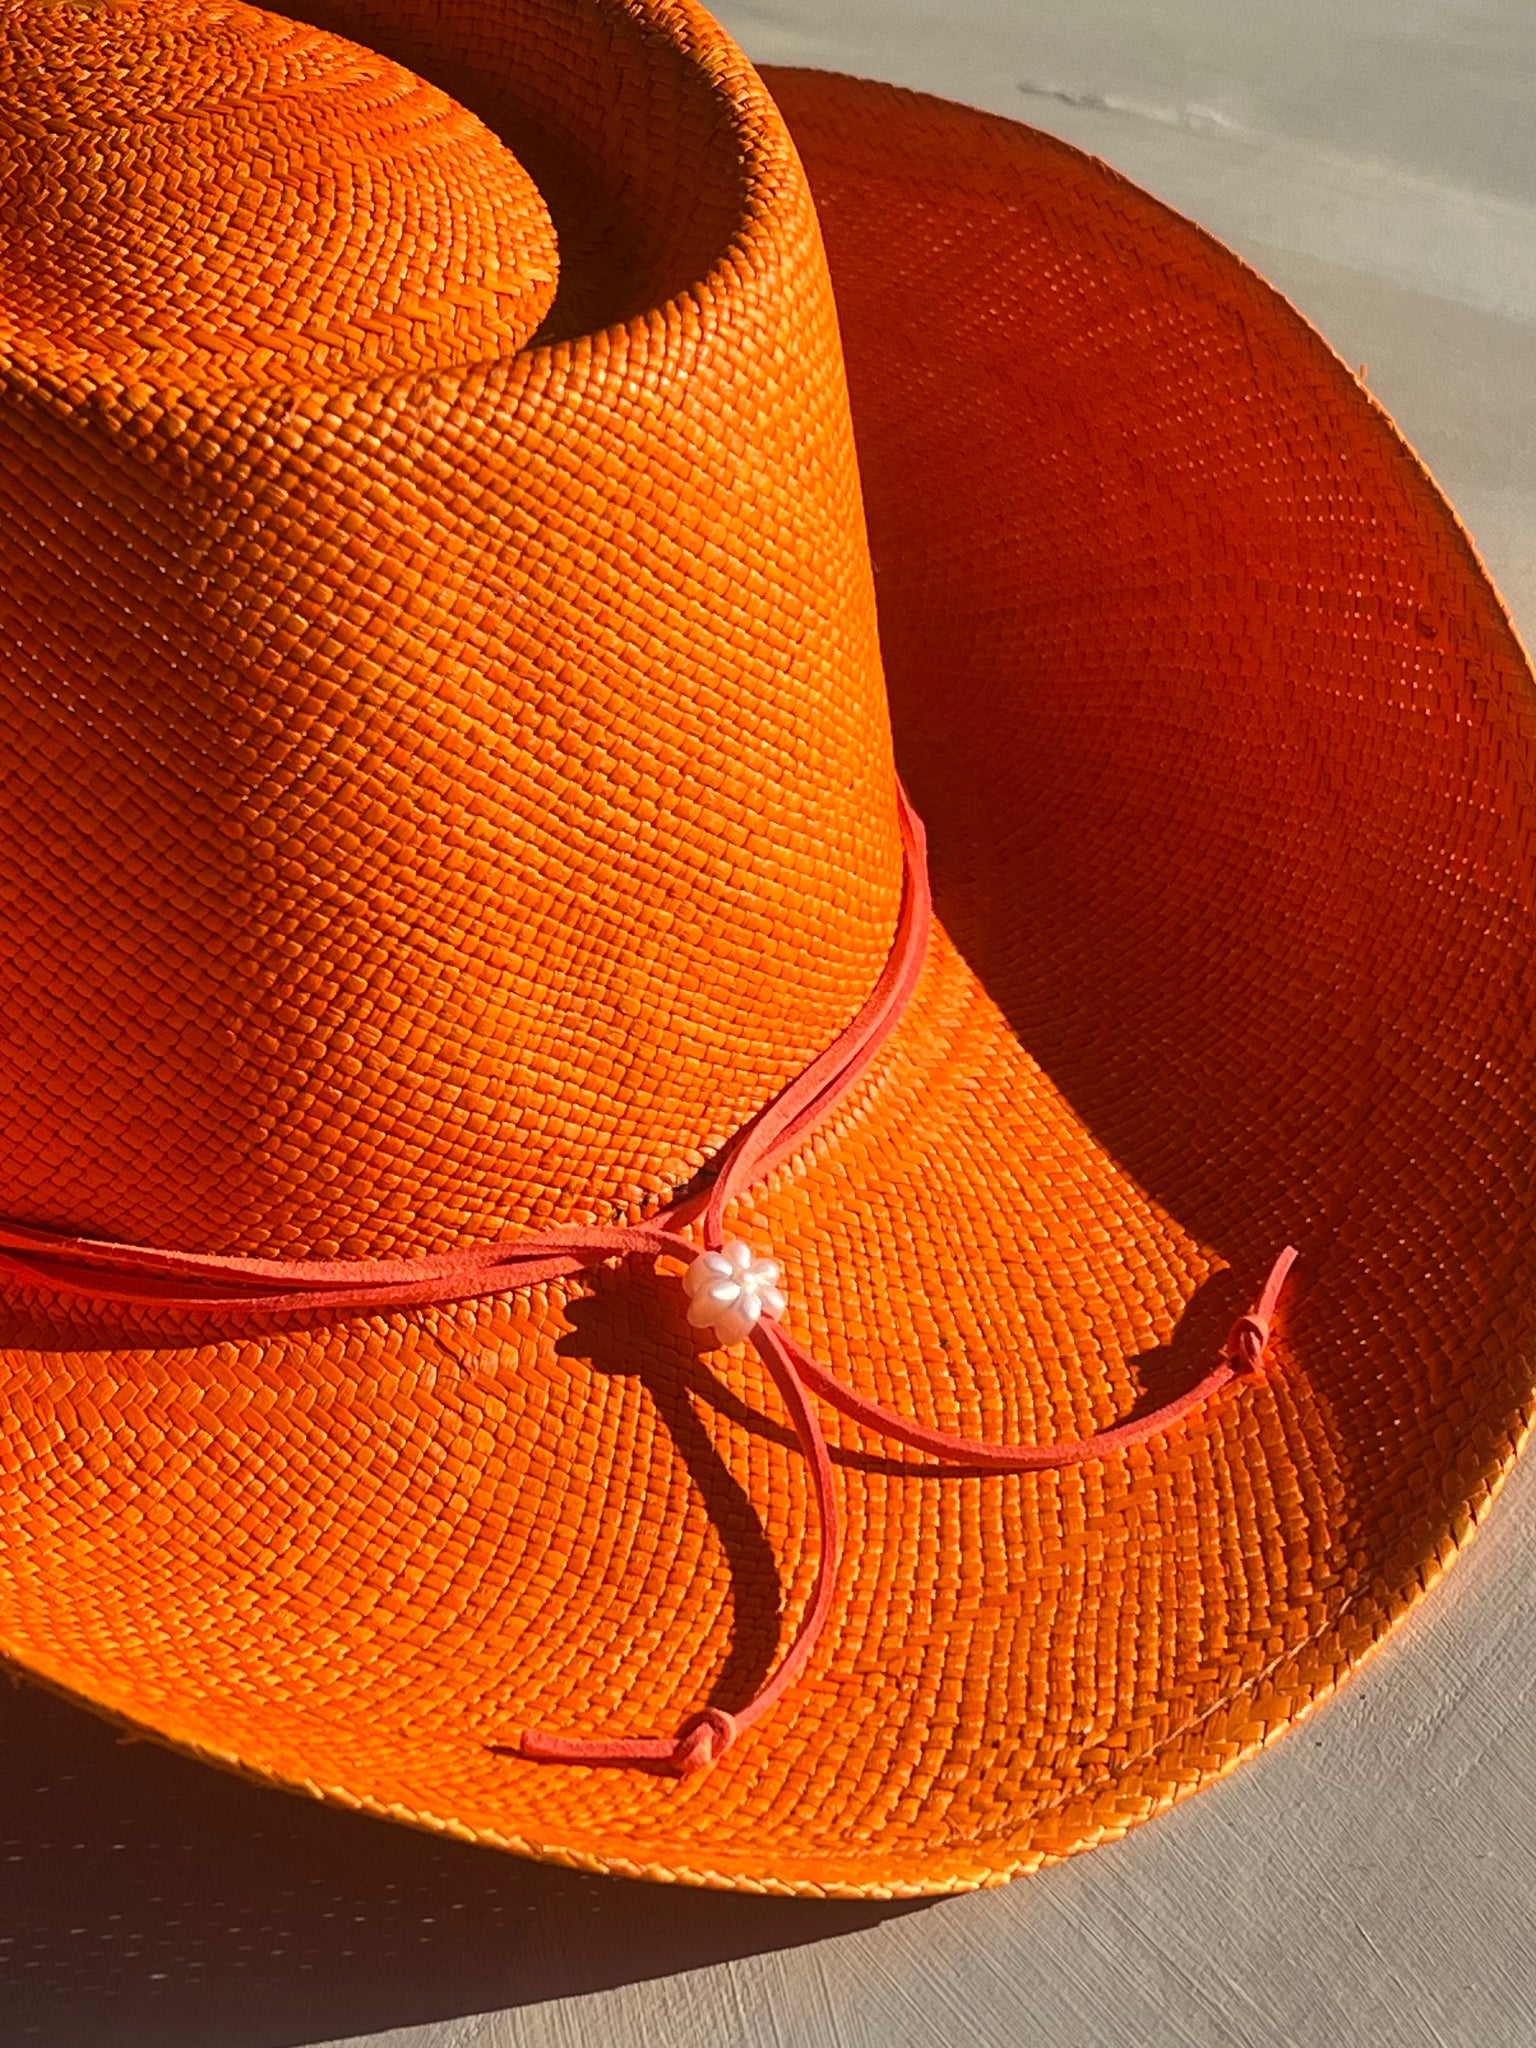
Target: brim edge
(1394,1607)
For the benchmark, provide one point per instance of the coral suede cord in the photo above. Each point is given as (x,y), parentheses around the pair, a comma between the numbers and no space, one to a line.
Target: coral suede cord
(194,1281)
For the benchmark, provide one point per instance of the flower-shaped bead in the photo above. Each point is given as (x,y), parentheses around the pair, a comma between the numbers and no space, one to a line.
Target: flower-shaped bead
(729,1289)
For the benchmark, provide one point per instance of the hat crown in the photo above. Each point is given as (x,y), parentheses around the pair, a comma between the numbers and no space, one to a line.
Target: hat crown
(449,787)
(206,193)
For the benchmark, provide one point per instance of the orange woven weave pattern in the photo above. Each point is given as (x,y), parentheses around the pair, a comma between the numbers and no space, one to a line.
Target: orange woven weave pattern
(388,757)
(377,226)
(455,798)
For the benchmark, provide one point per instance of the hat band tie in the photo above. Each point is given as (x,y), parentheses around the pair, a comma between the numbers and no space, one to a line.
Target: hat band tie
(102,1271)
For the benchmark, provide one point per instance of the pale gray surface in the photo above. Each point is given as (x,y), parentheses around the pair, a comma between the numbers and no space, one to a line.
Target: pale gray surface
(1372,1880)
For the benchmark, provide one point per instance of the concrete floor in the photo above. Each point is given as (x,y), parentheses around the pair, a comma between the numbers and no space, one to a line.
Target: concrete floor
(1371,1881)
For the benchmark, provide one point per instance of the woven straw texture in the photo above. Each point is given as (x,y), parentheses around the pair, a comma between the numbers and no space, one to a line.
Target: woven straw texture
(448,773)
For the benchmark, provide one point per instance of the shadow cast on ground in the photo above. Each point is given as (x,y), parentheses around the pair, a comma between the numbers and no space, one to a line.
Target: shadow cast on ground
(149,1902)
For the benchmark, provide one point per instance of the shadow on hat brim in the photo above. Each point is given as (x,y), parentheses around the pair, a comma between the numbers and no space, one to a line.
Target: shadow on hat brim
(1225,748)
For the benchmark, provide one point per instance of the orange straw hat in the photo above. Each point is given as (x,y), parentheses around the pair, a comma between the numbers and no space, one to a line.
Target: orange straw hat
(485,1105)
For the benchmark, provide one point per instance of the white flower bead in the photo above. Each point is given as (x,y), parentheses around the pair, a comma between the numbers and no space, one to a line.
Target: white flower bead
(729,1289)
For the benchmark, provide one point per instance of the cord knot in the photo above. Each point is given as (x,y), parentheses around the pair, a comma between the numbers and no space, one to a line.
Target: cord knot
(1245,1345)
(704,1742)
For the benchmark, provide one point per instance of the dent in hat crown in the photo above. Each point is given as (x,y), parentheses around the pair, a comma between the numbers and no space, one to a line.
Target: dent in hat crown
(447,777)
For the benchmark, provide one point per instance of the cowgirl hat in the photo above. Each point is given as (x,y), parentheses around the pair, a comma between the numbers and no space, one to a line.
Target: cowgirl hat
(551,1292)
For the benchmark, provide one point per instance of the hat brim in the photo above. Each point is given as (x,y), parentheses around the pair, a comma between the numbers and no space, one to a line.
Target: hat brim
(1225,748)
